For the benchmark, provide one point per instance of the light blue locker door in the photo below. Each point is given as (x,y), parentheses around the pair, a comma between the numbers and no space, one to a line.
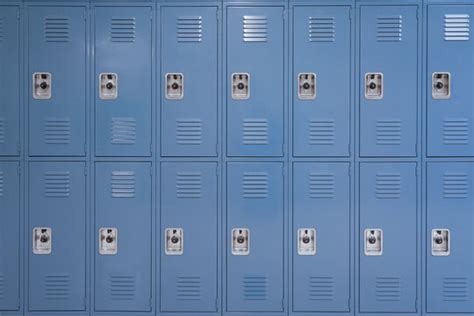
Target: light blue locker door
(123,47)
(322,46)
(321,201)
(450,205)
(189,202)
(255,202)
(57,46)
(450,119)
(255,48)
(189,48)
(10,236)
(123,202)
(9,81)
(388,202)
(57,200)
(389,49)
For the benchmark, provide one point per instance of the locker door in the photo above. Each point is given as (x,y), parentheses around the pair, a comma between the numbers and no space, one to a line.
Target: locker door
(9,236)
(255,106)
(321,201)
(450,206)
(189,203)
(123,203)
(450,117)
(387,275)
(57,200)
(189,48)
(321,118)
(9,81)
(123,59)
(389,101)
(57,46)
(255,202)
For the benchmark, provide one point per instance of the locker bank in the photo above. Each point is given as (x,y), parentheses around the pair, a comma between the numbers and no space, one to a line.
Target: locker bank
(236,158)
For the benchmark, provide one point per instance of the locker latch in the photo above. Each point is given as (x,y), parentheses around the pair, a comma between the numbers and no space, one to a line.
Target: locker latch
(240,86)
(240,241)
(108,86)
(108,241)
(174,86)
(174,241)
(306,241)
(440,242)
(42,85)
(42,240)
(373,242)
(441,88)
(307,86)
(374,86)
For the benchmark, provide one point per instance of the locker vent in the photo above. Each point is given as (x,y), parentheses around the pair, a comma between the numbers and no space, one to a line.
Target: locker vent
(255,185)
(56,29)
(456,290)
(322,185)
(255,28)
(122,30)
(456,131)
(321,289)
(388,132)
(455,185)
(2,286)
(122,287)
(189,29)
(189,132)
(387,186)
(1,184)
(322,132)
(255,288)
(188,185)
(57,184)
(389,28)
(57,131)
(456,27)
(2,130)
(188,288)
(322,29)
(122,184)
(387,289)
(57,287)
(1,30)
(123,131)
(255,132)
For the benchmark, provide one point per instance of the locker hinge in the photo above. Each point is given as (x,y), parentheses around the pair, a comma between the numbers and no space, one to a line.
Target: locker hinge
(349,171)
(85,302)
(151,148)
(218,15)
(349,303)
(283,148)
(417,13)
(349,148)
(18,301)
(217,303)
(217,148)
(85,15)
(351,14)
(19,169)
(283,171)
(150,303)
(284,14)
(151,170)
(217,170)
(18,148)
(85,148)
(85,169)
(18,14)
(283,303)
(151,14)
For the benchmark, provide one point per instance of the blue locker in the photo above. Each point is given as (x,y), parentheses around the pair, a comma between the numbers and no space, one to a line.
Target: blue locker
(10,236)
(388,81)
(123,76)
(9,81)
(388,202)
(255,45)
(189,48)
(189,279)
(123,200)
(57,60)
(57,201)
(450,118)
(321,201)
(255,203)
(322,47)
(450,206)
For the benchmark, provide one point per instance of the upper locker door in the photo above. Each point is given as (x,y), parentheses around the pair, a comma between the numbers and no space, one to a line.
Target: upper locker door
(123,81)
(322,51)
(388,81)
(189,76)
(9,81)
(450,97)
(57,76)
(254,81)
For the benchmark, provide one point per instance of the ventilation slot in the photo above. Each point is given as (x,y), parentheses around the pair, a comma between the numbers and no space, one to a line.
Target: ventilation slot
(387,186)
(188,185)
(321,289)
(322,29)
(189,29)
(387,289)
(122,184)
(56,30)
(456,131)
(57,287)
(189,132)
(255,185)
(389,29)
(255,288)
(456,27)
(124,131)
(456,290)
(321,132)
(2,176)
(57,184)
(255,132)
(455,186)
(388,132)
(2,286)
(57,131)
(122,30)
(255,28)
(322,186)
(2,130)
(188,288)
(122,287)
(1,30)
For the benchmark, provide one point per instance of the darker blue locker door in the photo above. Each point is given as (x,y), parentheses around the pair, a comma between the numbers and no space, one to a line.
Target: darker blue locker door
(10,236)
(450,118)
(123,202)
(189,203)
(123,50)
(57,48)
(254,81)
(450,207)
(255,281)
(388,204)
(322,47)
(189,48)
(9,81)
(388,77)
(321,201)
(57,201)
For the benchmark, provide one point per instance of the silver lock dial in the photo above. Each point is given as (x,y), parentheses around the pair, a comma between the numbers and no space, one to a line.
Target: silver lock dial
(42,82)
(42,240)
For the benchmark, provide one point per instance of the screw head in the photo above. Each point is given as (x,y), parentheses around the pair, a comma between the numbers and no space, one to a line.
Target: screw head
(372,86)
(306,239)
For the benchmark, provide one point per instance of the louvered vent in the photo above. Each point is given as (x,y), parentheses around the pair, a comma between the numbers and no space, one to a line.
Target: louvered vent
(57,131)
(122,30)
(456,290)
(455,185)
(255,288)
(1,30)
(387,289)
(456,27)
(188,132)
(189,29)
(57,184)
(123,131)
(188,288)
(188,185)
(2,130)
(255,28)
(2,286)
(322,29)
(56,29)
(2,179)
(388,132)
(321,289)
(389,28)
(387,186)
(122,287)
(122,184)
(255,185)
(321,132)
(322,185)
(255,132)
(456,131)
(57,287)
